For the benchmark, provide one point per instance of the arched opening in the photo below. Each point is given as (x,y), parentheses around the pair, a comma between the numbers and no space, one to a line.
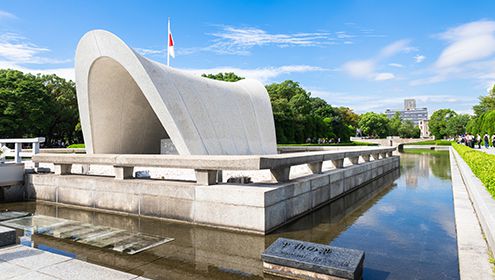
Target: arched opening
(122,120)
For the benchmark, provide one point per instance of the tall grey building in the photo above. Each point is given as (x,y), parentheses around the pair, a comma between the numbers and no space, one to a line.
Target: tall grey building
(410,112)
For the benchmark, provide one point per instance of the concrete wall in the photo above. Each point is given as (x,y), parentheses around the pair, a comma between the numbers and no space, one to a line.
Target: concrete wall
(128,103)
(257,208)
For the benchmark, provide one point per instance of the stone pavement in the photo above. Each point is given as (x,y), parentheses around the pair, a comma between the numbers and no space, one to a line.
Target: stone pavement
(21,262)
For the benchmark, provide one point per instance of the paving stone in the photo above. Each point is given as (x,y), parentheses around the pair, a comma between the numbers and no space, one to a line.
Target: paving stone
(79,270)
(30,258)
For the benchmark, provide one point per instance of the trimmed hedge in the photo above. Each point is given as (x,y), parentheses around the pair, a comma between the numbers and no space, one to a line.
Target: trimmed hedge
(354,143)
(76,146)
(432,142)
(482,165)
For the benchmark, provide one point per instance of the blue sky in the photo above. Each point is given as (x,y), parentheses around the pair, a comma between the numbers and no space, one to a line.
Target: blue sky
(368,55)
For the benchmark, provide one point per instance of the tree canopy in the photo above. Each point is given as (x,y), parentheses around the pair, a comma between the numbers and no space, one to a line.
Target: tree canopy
(374,125)
(38,105)
(226,77)
(438,123)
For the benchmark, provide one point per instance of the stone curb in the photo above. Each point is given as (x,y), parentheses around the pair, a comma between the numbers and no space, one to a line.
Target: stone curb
(483,202)
(472,248)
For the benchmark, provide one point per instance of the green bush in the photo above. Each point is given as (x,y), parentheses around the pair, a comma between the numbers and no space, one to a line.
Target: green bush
(482,165)
(354,143)
(76,146)
(433,142)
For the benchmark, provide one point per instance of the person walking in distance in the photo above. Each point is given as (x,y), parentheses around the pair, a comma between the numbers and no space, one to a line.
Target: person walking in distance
(486,140)
(493,140)
(478,141)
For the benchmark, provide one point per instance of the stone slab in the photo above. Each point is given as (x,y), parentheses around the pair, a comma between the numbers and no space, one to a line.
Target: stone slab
(284,254)
(76,269)
(30,258)
(7,236)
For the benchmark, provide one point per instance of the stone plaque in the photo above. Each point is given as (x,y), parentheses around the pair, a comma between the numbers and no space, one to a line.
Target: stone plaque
(307,260)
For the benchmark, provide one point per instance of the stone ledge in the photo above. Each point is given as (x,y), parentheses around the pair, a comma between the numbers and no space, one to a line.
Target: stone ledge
(472,248)
(483,202)
(7,236)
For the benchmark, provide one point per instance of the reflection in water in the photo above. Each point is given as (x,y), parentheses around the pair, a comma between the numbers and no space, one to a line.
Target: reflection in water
(405,232)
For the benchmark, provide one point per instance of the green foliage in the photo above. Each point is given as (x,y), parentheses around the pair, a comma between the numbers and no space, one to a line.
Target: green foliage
(484,123)
(299,117)
(482,165)
(76,146)
(438,123)
(407,129)
(352,143)
(395,123)
(375,125)
(41,105)
(226,77)
(456,125)
(432,142)
(487,103)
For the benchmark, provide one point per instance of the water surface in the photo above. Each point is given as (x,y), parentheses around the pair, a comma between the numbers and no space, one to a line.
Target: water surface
(403,221)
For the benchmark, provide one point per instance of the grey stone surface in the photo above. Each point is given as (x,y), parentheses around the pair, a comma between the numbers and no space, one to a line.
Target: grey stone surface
(199,115)
(7,236)
(30,258)
(308,256)
(472,248)
(258,207)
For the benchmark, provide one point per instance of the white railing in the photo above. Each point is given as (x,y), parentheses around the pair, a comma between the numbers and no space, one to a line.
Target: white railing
(35,144)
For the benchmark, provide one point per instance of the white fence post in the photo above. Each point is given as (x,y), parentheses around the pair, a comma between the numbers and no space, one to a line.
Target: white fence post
(17,152)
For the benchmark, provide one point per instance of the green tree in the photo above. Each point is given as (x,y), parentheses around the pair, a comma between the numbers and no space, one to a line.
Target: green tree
(395,123)
(438,123)
(408,129)
(457,124)
(226,77)
(38,105)
(487,103)
(374,125)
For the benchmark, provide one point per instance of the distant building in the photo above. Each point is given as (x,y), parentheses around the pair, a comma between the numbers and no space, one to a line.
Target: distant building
(419,116)
(425,130)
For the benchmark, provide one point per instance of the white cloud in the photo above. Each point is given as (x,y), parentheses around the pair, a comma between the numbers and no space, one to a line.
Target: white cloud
(396,65)
(380,102)
(18,49)
(419,58)
(66,73)
(468,42)
(6,15)
(360,68)
(384,76)
(366,68)
(142,51)
(264,74)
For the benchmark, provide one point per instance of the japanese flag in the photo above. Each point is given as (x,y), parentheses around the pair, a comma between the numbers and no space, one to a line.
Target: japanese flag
(170,43)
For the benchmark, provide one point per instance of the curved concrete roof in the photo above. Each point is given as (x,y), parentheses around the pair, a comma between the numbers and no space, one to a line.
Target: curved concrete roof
(127,103)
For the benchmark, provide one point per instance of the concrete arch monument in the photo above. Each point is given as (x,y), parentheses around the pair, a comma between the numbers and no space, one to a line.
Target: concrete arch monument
(128,103)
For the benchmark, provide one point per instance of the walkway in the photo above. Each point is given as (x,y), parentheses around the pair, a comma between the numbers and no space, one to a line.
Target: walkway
(21,262)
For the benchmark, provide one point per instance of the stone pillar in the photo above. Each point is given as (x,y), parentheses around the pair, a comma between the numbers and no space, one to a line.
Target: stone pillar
(376,156)
(390,154)
(219,176)
(383,154)
(281,174)
(17,151)
(206,177)
(354,160)
(338,163)
(366,158)
(122,172)
(315,167)
(36,150)
(63,169)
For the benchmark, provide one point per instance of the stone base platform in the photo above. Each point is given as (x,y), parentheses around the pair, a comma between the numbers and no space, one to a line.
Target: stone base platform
(258,208)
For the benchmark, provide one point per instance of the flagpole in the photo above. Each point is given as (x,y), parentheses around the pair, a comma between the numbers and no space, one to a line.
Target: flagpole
(168,43)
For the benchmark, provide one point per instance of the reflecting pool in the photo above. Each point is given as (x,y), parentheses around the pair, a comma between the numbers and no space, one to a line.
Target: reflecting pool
(403,221)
